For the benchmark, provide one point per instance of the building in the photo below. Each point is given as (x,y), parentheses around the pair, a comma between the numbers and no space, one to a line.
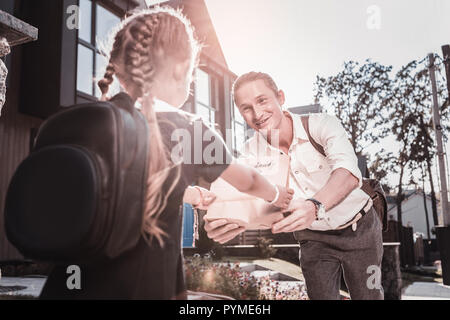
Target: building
(59,69)
(413,212)
(312,108)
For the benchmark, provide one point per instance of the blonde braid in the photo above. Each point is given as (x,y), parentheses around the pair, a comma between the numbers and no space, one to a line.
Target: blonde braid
(106,81)
(142,44)
(140,66)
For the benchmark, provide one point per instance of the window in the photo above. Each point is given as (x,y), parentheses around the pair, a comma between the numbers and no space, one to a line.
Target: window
(154,2)
(96,23)
(205,86)
(239,128)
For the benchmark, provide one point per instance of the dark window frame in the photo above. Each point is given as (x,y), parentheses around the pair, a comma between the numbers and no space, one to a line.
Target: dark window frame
(234,121)
(92,44)
(214,95)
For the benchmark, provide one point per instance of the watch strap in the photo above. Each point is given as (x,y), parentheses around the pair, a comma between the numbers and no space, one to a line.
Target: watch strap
(316,202)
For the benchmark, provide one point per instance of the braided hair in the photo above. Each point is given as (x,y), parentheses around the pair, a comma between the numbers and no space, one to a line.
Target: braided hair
(143,43)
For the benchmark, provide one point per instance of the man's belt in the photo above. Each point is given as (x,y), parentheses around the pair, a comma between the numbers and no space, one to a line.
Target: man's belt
(359,215)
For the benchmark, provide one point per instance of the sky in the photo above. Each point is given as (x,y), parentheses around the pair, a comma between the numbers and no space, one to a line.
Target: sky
(296,40)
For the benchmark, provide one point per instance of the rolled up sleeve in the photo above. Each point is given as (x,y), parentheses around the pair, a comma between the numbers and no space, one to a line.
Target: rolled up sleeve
(330,133)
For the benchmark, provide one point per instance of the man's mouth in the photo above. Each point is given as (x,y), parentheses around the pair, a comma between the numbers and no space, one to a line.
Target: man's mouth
(262,122)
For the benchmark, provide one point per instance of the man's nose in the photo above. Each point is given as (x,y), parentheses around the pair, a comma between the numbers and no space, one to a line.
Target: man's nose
(258,113)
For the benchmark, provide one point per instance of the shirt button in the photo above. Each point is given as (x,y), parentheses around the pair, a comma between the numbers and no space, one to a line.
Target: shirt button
(320,167)
(306,188)
(296,172)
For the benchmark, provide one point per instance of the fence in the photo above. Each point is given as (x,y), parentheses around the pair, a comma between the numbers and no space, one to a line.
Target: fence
(419,250)
(404,235)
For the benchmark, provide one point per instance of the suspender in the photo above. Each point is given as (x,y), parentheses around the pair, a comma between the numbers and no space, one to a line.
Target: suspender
(317,146)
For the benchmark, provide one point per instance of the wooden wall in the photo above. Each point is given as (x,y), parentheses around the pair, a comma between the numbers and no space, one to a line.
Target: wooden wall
(15,131)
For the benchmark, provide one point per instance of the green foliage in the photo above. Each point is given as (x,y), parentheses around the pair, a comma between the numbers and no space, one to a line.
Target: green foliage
(227,279)
(265,249)
(356,95)
(217,251)
(410,103)
(224,279)
(372,104)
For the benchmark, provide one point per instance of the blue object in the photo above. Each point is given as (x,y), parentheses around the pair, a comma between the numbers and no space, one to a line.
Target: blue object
(188,226)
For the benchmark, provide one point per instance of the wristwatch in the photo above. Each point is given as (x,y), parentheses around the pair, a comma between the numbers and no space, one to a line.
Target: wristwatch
(320,209)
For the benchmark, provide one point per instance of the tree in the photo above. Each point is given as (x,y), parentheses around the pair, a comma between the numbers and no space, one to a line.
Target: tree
(382,167)
(423,146)
(423,153)
(401,103)
(356,95)
(372,106)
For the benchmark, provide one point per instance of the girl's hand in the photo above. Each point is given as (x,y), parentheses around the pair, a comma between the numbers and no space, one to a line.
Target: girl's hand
(284,198)
(201,198)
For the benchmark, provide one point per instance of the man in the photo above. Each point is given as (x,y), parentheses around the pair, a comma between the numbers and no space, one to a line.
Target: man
(332,218)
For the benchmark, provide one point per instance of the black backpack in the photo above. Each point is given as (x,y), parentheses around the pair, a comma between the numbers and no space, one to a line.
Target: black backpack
(370,186)
(79,195)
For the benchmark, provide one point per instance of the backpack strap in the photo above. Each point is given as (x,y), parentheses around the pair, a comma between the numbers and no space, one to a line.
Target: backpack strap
(317,146)
(123,101)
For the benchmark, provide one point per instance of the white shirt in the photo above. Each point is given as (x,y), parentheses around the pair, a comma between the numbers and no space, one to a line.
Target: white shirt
(309,170)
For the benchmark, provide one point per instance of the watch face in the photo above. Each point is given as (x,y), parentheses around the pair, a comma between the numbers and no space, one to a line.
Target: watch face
(321,213)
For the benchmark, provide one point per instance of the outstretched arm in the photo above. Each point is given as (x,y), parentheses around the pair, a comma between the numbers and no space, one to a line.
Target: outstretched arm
(245,179)
(199,197)
(248,180)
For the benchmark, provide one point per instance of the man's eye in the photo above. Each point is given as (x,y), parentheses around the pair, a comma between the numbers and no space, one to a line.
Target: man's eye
(260,101)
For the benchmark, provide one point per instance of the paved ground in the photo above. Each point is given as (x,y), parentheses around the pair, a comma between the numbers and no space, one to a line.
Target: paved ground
(426,291)
(415,291)
(33,286)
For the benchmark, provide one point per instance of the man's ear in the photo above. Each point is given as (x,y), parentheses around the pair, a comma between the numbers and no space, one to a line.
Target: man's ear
(280,97)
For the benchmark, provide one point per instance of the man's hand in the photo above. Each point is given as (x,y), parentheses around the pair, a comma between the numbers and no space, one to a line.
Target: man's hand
(221,231)
(302,216)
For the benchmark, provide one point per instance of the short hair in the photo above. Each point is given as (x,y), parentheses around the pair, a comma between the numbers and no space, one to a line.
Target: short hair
(253,76)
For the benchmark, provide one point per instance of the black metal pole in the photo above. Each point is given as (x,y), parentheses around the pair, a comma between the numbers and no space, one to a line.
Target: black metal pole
(446,55)
(443,232)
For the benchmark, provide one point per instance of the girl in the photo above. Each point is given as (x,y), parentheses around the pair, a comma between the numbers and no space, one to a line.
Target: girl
(153,56)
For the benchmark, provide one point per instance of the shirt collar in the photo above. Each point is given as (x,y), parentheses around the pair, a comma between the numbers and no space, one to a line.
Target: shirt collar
(299,130)
(299,133)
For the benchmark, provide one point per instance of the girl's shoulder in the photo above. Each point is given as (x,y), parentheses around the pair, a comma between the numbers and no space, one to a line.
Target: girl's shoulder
(180,118)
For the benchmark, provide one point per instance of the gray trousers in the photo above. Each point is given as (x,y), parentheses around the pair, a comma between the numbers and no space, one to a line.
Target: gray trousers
(357,255)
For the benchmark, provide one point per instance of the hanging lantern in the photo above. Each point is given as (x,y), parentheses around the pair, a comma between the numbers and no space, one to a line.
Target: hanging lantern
(4,50)
(13,32)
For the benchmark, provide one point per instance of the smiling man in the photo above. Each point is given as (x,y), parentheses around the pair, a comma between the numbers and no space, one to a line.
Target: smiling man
(332,218)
